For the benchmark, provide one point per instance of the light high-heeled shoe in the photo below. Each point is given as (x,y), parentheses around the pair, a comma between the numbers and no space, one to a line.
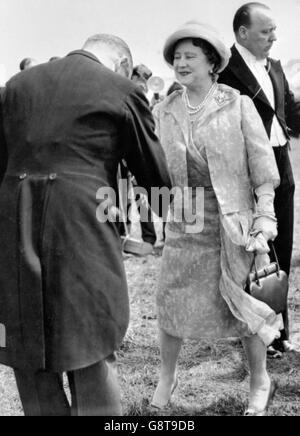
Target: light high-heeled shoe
(252,411)
(158,404)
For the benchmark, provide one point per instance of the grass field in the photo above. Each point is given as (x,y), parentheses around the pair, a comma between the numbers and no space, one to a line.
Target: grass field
(213,377)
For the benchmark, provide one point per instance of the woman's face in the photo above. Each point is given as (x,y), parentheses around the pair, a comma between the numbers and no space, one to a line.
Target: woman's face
(191,65)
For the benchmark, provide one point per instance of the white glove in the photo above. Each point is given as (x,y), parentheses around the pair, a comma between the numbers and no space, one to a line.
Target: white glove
(265,220)
(257,243)
(267,226)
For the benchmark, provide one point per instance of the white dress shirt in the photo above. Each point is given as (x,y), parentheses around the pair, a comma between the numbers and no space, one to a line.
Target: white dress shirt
(258,69)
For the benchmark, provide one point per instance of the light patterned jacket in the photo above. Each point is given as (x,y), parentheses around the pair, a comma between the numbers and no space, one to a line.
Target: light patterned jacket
(239,154)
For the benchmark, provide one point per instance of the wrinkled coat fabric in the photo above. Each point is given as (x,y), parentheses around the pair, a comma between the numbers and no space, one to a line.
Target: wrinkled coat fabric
(203,270)
(65,127)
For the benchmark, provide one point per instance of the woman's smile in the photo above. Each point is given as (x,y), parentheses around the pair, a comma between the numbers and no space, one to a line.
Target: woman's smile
(184,73)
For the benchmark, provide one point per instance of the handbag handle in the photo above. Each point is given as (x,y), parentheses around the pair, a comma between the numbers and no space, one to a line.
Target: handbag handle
(255,266)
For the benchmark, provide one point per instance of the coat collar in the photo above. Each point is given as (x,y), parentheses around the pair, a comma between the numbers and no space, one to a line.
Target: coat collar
(174,106)
(241,71)
(86,54)
(249,57)
(276,77)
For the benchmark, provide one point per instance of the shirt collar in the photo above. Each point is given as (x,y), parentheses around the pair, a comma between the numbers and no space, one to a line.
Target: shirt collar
(248,57)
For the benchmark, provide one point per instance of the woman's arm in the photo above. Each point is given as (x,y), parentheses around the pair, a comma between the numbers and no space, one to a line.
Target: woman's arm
(263,171)
(261,158)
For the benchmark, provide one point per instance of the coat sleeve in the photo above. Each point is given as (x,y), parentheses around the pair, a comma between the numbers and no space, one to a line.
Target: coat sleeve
(292,109)
(261,158)
(143,152)
(3,149)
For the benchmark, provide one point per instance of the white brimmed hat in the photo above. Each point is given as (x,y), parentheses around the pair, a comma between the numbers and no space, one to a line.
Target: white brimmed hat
(195,29)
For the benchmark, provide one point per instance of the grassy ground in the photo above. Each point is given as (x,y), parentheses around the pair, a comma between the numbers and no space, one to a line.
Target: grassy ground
(213,377)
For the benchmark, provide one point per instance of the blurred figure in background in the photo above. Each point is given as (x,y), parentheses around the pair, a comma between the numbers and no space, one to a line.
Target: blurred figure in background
(27,63)
(140,76)
(157,98)
(156,85)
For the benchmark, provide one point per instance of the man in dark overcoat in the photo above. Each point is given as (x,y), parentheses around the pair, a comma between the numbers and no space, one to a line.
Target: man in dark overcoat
(65,127)
(255,74)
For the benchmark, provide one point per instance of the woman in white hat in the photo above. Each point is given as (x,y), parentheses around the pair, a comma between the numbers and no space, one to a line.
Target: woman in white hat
(214,140)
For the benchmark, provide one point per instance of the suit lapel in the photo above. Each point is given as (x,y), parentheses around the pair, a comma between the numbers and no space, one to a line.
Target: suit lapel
(240,69)
(277,80)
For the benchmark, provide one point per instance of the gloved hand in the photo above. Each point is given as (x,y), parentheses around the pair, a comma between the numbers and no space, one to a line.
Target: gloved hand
(257,243)
(265,220)
(267,226)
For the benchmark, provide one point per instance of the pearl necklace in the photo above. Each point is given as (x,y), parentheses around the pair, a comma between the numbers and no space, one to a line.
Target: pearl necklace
(193,110)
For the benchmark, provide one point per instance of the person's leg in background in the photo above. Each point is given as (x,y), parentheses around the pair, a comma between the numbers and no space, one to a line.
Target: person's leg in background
(148,230)
(42,393)
(284,209)
(124,201)
(95,390)
(164,230)
(146,216)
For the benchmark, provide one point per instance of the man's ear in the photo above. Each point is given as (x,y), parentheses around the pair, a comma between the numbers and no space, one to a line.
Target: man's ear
(243,33)
(123,67)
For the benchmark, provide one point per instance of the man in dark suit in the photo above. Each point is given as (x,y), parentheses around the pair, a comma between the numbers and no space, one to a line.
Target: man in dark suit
(253,73)
(64,128)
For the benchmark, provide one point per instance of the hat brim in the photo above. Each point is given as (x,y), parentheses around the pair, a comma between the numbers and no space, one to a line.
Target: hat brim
(200,33)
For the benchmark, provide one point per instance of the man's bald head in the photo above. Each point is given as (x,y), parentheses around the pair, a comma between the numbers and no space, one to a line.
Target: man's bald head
(254,27)
(112,51)
(243,14)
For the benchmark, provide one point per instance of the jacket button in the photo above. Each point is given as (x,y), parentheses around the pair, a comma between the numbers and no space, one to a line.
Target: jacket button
(52,176)
(23,176)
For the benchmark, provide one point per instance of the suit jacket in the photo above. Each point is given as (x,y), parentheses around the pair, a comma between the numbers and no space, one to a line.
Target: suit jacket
(239,154)
(65,127)
(238,76)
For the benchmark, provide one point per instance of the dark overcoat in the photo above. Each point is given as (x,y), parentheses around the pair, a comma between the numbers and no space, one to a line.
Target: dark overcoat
(287,110)
(65,127)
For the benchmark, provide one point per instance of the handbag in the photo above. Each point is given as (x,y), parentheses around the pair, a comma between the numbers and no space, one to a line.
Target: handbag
(269,284)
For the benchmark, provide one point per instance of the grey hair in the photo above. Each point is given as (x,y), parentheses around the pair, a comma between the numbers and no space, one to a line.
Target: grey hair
(116,44)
